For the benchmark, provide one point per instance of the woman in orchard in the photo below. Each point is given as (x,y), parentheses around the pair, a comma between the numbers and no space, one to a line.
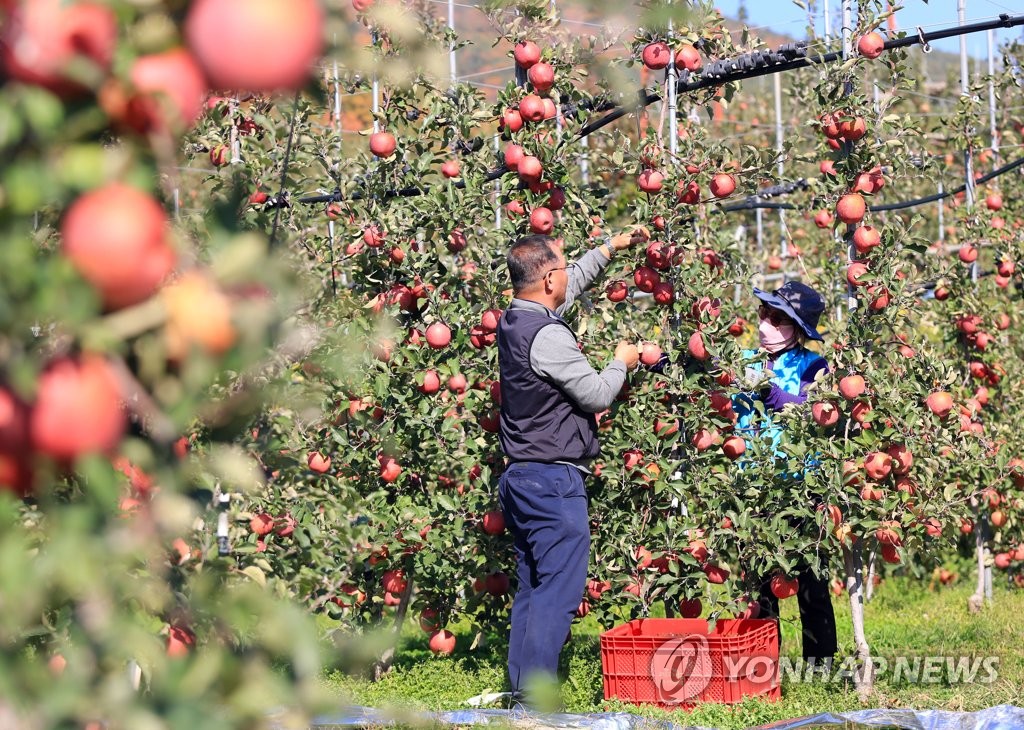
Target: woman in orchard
(788,317)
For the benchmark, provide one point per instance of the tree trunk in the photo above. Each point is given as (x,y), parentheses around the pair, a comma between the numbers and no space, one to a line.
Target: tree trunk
(869,590)
(853,557)
(977,599)
(383,665)
(986,533)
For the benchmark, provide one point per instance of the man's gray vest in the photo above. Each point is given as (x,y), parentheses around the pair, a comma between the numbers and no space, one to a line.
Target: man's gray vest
(538,421)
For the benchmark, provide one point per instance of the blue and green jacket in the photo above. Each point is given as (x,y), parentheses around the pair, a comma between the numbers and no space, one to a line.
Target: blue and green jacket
(794,370)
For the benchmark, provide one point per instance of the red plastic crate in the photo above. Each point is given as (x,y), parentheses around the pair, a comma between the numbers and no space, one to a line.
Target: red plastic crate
(678,662)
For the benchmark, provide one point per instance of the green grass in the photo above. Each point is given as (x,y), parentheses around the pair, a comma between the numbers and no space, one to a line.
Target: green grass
(904,619)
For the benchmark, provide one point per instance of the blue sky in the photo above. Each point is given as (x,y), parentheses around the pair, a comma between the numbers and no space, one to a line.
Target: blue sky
(785,17)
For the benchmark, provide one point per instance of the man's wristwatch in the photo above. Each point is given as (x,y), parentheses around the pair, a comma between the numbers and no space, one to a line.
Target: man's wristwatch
(609,249)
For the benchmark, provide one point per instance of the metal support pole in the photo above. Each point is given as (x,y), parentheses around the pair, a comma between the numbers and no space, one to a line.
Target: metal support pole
(452,75)
(337,111)
(760,232)
(585,161)
(942,226)
(851,253)
(993,132)
(828,27)
(779,148)
(236,143)
(376,92)
(961,10)
(497,187)
(673,125)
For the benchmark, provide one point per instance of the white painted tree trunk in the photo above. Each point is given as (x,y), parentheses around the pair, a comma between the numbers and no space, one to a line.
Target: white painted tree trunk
(854,560)
(869,589)
(977,599)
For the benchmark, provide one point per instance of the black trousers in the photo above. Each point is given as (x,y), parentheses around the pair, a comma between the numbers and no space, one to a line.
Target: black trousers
(816,616)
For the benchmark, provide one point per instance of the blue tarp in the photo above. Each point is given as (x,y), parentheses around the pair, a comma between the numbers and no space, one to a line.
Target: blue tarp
(1003,717)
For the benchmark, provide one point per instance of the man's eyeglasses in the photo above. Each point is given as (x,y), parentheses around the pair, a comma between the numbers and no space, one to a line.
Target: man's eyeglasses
(775,316)
(557,268)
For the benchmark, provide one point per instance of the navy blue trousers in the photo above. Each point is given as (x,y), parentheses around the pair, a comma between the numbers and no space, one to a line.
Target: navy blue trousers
(545,508)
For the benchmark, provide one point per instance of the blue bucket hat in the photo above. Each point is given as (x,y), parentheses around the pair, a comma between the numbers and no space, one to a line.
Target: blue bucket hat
(799,301)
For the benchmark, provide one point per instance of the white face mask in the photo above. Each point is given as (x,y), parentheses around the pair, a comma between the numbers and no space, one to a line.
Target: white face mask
(776,338)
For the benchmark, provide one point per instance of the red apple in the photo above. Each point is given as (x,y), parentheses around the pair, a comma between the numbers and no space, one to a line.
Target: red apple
(442,642)
(118,239)
(871,45)
(783,587)
(664,293)
(531,108)
(723,185)
(451,168)
(542,221)
(716,573)
(169,89)
(690,608)
(318,463)
(656,55)
(41,39)
(261,524)
(851,208)
(877,465)
(733,447)
(394,581)
(617,290)
(650,353)
(696,347)
(852,387)
(542,76)
(530,169)
(180,641)
(825,413)
(940,403)
(866,238)
(382,144)
(650,181)
(390,469)
(438,335)
(497,584)
(258,45)
(688,57)
(78,408)
(526,53)
(493,522)
(823,219)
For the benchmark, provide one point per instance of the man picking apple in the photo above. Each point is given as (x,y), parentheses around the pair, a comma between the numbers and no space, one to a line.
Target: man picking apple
(549,395)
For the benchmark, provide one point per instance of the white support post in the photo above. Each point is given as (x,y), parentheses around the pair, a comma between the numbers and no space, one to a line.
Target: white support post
(779,147)
(497,187)
(585,161)
(961,10)
(828,25)
(993,132)
(337,111)
(236,143)
(673,124)
(851,253)
(376,92)
(452,74)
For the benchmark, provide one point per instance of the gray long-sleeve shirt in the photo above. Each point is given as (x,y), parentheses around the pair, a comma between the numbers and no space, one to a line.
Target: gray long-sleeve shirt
(555,354)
